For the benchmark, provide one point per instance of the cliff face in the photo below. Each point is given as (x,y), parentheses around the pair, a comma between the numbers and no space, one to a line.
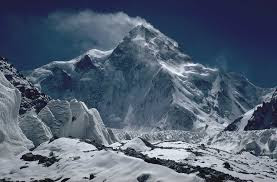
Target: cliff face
(265,116)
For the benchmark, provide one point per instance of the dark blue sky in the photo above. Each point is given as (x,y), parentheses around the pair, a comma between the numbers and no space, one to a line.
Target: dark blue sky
(238,36)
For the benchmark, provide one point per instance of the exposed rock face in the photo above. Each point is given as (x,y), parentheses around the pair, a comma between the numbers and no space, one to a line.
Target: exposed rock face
(85,64)
(12,140)
(34,129)
(263,116)
(74,119)
(31,96)
(146,82)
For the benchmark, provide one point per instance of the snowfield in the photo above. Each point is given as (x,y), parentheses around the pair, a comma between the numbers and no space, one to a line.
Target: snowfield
(243,165)
(79,161)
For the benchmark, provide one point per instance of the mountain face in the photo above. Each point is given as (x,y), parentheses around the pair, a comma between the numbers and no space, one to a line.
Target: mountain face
(146,82)
(263,116)
(31,97)
(41,119)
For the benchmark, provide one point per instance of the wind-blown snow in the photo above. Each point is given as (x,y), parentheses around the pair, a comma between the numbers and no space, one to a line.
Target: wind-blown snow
(146,82)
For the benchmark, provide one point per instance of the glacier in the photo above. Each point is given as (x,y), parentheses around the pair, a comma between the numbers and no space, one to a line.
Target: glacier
(74,119)
(12,139)
(143,111)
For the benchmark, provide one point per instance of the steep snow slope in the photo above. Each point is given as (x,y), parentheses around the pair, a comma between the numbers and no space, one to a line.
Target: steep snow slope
(12,140)
(263,116)
(146,82)
(31,97)
(79,161)
(74,119)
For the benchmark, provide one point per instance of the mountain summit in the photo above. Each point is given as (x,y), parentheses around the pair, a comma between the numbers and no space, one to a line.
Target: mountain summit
(147,82)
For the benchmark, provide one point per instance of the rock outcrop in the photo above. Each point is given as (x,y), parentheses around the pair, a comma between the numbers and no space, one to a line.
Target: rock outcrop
(31,97)
(263,116)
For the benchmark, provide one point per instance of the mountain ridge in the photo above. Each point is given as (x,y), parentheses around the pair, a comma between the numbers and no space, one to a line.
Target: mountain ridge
(147,82)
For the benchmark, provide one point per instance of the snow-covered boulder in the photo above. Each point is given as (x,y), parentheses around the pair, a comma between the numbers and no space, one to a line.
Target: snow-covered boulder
(137,144)
(74,119)
(34,129)
(12,140)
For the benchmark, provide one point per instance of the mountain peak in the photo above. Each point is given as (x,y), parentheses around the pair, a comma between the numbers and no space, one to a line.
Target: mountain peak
(85,64)
(143,30)
(147,33)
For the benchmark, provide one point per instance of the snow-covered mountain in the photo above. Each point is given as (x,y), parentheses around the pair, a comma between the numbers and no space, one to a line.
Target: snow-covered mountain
(263,116)
(41,119)
(147,82)
(31,97)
